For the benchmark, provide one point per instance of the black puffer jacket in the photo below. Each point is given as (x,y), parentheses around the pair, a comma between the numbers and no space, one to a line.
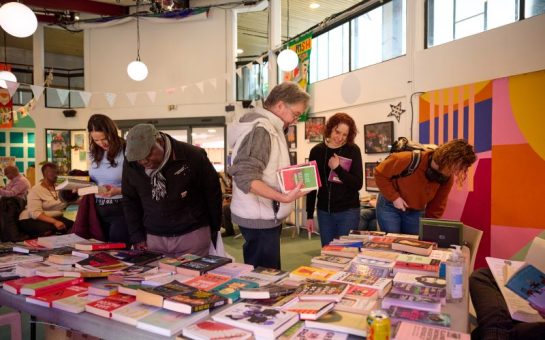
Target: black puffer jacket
(10,208)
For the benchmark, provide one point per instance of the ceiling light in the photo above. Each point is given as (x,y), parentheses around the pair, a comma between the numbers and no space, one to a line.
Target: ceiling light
(211,130)
(18,20)
(136,69)
(6,76)
(288,60)
(314,5)
(240,51)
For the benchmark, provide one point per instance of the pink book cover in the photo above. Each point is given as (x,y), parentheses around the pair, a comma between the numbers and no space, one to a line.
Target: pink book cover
(345,163)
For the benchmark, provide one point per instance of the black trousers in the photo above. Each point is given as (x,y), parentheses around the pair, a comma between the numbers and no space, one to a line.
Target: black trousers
(262,246)
(36,228)
(112,220)
(492,314)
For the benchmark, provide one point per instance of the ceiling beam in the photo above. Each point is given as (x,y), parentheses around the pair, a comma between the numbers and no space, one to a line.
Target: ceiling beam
(87,6)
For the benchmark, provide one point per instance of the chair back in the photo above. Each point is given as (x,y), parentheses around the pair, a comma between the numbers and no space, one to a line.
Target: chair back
(472,238)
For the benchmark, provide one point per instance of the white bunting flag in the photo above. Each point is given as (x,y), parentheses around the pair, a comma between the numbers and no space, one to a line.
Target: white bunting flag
(200,86)
(213,82)
(110,97)
(132,97)
(63,95)
(239,72)
(12,87)
(85,96)
(260,60)
(152,95)
(250,66)
(37,91)
(183,87)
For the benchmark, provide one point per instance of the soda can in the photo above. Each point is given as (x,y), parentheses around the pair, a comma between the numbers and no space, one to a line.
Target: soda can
(378,325)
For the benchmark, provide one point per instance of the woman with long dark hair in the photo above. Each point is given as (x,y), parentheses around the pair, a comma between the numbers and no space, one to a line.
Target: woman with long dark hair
(106,155)
(340,166)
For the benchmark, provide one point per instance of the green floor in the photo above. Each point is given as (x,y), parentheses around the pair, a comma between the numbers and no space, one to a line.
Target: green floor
(295,252)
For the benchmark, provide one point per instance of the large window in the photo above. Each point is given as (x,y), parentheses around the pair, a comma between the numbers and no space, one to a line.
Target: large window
(253,83)
(329,55)
(449,20)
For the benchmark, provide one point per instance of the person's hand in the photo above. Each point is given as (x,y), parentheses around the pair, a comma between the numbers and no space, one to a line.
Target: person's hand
(334,162)
(140,246)
(293,195)
(310,225)
(400,204)
(59,225)
(109,191)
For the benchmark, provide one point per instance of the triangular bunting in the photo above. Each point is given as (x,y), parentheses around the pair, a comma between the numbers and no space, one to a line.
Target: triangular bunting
(260,60)
(152,95)
(239,72)
(170,90)
(200,86)
(24,111)
(12,87)
(85,96)
(110,97)
(213,82)
(250,66)
(63,95)
(132,97)
(183,87)
(37,91)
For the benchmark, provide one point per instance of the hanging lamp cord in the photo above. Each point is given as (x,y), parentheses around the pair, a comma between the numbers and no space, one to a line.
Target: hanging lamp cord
(288,23)
(138,30)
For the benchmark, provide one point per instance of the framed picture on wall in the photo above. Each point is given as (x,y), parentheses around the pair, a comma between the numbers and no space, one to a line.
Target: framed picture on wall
(293,157)
(314,129)
(378,137)
(370,183)
(58,148)
(291,137)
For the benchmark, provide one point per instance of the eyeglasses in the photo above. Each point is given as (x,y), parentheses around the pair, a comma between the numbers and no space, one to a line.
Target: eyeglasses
(293,113)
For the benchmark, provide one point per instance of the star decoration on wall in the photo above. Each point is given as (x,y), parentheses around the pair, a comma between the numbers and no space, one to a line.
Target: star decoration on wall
(397,111)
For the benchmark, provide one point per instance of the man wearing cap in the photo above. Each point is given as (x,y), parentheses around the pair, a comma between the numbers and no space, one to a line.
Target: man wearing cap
(171,194)
(18,185)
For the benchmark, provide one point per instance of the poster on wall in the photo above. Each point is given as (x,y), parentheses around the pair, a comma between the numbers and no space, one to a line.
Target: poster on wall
(6,110)
(58,149)
(378,137)
(300,75)
(314,129)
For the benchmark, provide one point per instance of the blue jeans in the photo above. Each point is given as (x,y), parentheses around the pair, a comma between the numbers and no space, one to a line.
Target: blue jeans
(333,225)
(393,220)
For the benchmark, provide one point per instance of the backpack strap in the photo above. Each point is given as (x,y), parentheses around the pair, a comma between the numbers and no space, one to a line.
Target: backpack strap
(416,156)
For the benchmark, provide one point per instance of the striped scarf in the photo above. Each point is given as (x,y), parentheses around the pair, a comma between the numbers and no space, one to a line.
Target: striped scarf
(158,180)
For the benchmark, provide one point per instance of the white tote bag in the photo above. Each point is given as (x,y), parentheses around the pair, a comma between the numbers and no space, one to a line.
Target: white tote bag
(219,249)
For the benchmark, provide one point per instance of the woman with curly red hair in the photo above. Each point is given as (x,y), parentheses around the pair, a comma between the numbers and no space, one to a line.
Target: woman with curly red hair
(340,167)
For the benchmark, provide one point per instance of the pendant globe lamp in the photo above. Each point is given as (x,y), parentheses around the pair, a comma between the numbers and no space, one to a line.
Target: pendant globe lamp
(287,59)
(6,75)
(136,69)
(18,20)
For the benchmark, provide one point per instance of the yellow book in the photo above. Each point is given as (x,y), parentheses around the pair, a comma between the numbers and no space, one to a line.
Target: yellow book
(306,272)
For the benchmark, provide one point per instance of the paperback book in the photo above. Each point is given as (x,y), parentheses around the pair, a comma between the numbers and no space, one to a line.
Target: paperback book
(413,246)
(172,263)
(47,300)
(49,285)
(76,303)
(322,291)
(105,306)
(418,290)
(345,163)
(306,272)
(132,312)
(407,314)
(330,261)
(202,265)
(155,296)
(134,256)
(415,331)
(269,291)
(338,321)
(309,310)
(233,269)
(231,289)
(349,252)
(411,301)
(99,245)
(207,281)
(382,285)
(213,330)
(101,262)
(300,332)
(72,184)
(168,323)
(307,174)
(193,301)
(58,241)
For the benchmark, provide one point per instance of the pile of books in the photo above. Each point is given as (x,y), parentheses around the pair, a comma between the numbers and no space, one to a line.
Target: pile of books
(211,296)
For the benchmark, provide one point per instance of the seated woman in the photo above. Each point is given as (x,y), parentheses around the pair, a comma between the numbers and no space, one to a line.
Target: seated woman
(43,214)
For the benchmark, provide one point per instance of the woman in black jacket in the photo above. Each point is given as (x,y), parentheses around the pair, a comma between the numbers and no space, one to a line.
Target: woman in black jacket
(340,167)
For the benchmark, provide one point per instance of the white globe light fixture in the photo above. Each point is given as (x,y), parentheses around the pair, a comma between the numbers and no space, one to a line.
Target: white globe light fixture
(287,60)
(6,76)
(137,70)
(18,20)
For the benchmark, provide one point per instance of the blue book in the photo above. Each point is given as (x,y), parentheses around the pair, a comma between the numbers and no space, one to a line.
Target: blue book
(231,289)
(527,281)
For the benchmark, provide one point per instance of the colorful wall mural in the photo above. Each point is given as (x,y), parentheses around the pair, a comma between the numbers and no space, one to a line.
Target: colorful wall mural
(504,120)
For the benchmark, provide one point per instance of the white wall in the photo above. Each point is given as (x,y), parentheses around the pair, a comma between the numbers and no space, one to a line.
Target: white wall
(366,94)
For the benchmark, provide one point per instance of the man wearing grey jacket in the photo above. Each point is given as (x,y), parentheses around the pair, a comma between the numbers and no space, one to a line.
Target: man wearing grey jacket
(259,149)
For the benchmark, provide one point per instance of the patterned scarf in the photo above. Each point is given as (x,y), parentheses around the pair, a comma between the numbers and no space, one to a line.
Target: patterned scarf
(158,181)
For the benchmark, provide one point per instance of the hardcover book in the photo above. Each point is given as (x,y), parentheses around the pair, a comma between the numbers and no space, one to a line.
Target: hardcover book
(207,281)
(408,314)
(105,306)
(47,300)
(212,330)
(337,321)
(168,323)
(264,322)
(231,289)
(345,163)
(133,312)
(155,296)
(193,301)
(290,177)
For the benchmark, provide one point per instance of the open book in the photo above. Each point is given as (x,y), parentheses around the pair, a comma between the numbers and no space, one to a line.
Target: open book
(510,275)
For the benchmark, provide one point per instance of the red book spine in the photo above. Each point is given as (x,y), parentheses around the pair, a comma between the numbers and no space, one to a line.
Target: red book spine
(49,289)
(105,246)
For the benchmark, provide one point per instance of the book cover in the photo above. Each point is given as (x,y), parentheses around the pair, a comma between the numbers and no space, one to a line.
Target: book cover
(133,312)
(338,321)
(233,269)
(212,330)
(276,302)
(140,257)
(76,303)
(202,265)
(47,300)
(265,322)
(411,301)
(135,273)
(349,252)
(362,269)
(331,260)
(155,295)
(305,333)
(207,281)
(193,301)
(408,314)
(58,241)
(10,260)
(413,246)
(309,310)
(379,255)
(377,246)
(421,280)
(72,184)
(268,291)
(290,177)
(101,261)
(527,281)
(103,288)
(49,285)
(330,291)
(105,306)
(345,163)
(416,259)
(356,304)
(379,283)
(415,331)
(99,245)
(170,263)
(168,323)
(272,273)
(231,289)
(365,292)
(306,272)
(418,290)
